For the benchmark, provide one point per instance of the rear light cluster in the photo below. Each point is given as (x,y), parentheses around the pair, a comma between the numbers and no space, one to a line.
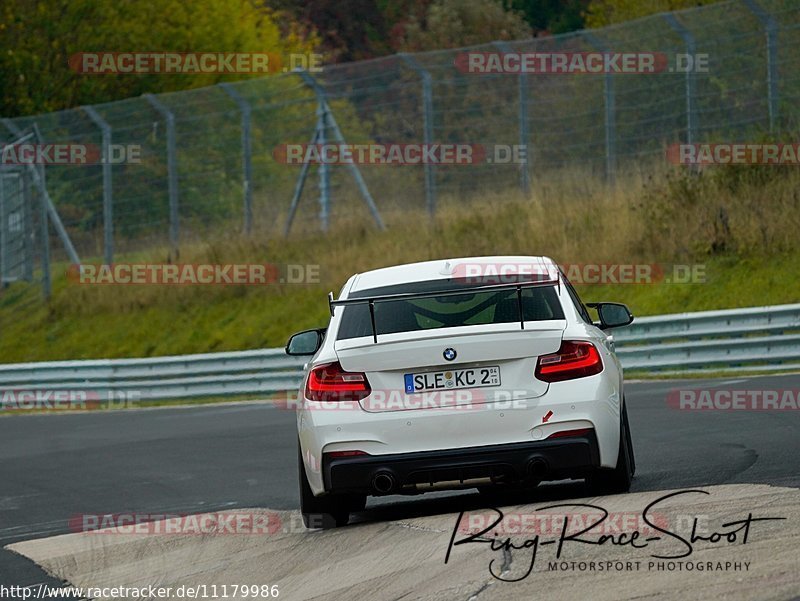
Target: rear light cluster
(575,359)
(329,382)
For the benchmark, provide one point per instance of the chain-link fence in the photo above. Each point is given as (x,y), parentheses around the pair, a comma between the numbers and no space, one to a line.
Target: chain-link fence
(24,231)
(211,162)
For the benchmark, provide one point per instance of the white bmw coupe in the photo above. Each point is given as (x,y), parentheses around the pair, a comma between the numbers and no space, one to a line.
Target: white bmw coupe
(465,373)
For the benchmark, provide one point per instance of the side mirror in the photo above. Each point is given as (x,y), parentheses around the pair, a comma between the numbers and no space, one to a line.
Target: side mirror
(306,342)
(612,315)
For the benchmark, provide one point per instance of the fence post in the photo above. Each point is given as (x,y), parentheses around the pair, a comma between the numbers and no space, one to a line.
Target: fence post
(328,121)
(47,285)
(45,234)
(11,126)
(610,112)
(51,211)
(691,50)
(324,170)
(108,200)
(37,173)
(44,230)
(301,179)
(27,211)
(771,30)
(319,137)
(172,169)
(427,127)
(522,99)
(247,153)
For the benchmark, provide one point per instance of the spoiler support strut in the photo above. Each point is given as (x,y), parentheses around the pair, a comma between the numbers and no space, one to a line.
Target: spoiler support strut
(370,301)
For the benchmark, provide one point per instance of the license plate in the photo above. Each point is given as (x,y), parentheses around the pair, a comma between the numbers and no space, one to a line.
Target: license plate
(452,379)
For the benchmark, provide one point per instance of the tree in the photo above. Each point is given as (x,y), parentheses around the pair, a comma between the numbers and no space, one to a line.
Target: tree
(358,29)
(455,23)
(607,12)
(551,16)
(39,36)
(348,29)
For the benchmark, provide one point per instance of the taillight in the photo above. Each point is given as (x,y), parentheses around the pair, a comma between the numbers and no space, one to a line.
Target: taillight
(575,359)
(329,382)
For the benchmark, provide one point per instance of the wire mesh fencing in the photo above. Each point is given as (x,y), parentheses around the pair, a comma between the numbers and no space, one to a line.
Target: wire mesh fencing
(215,161)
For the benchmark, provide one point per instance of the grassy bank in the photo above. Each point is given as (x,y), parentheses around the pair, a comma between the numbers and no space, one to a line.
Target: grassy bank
(739,225)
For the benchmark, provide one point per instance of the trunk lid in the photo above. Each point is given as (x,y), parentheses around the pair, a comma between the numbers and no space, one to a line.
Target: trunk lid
(492,363)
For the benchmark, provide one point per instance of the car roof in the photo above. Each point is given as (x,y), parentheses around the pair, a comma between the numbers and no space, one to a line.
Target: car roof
(443,269)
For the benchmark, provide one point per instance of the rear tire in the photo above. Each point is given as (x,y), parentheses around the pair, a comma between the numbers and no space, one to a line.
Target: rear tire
(328,511)
(631,456)
(357,502)
(617,480)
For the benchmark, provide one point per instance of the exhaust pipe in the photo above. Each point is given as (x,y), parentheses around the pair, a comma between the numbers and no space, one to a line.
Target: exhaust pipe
(384,482)
(537,468)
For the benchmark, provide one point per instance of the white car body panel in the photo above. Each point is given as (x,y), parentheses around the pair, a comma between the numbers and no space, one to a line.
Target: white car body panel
(515,416)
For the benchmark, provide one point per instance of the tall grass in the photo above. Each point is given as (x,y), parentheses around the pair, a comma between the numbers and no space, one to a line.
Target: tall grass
(728,216)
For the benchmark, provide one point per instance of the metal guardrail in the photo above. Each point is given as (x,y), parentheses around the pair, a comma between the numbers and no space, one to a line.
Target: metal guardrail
(758,338)
(752,339)
(175,377)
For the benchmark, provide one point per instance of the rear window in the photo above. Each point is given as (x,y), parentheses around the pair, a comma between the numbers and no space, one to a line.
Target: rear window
(428,313)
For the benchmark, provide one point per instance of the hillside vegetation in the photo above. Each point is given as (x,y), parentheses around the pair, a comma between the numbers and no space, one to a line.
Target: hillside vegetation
(740,225)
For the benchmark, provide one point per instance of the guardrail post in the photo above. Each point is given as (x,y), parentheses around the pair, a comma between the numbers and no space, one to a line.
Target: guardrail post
(522,99)
(427,127)
(108,201)
(609,101)
(172,170)
(247,167)
(691,50)
(770,30)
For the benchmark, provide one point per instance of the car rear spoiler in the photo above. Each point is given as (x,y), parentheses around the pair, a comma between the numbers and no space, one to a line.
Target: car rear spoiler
(371,300)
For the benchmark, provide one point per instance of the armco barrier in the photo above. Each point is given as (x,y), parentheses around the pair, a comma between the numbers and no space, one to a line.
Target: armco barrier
(753,339)
(176,377)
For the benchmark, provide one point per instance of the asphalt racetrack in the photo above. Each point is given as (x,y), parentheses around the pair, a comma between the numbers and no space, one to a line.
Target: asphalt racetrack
(223,457)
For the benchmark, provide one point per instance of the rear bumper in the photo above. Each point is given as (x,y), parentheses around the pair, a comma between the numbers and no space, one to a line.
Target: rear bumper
(414,472)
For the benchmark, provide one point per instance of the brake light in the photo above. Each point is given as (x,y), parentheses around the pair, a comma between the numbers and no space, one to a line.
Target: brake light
(575,359)
(329,382)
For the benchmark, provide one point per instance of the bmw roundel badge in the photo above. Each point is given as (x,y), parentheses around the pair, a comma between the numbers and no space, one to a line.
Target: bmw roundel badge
(449,354)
